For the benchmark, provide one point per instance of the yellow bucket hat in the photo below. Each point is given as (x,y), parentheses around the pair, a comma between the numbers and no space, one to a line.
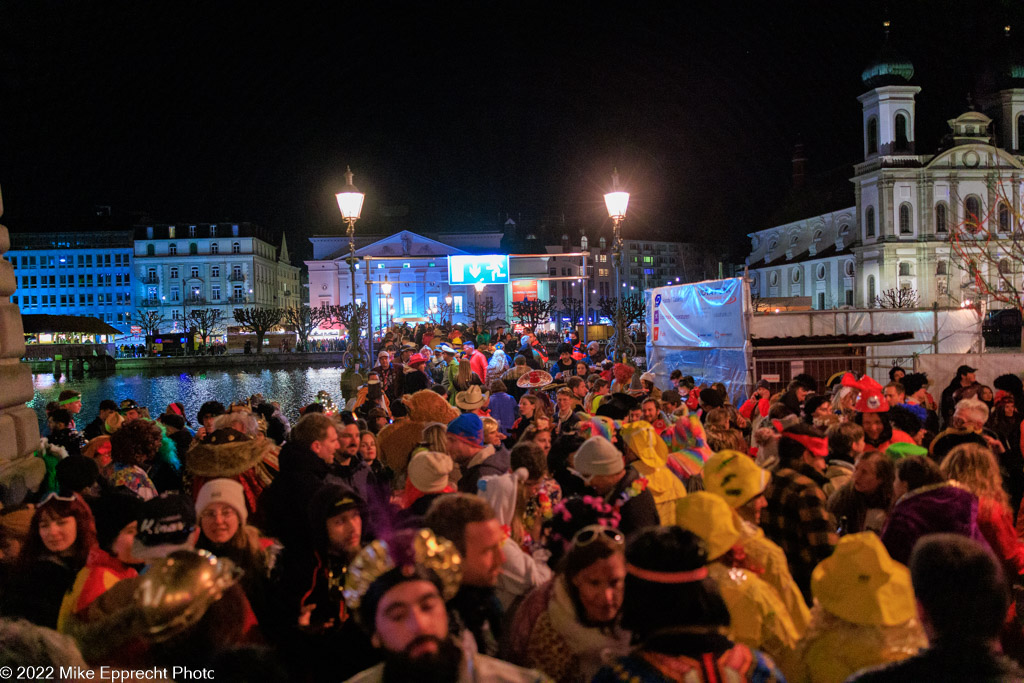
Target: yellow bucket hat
(861,584)
(734,477)
(641,438)
(711,518)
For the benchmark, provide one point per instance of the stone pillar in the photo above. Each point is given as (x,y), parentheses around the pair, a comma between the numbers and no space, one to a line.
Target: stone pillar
(19,428)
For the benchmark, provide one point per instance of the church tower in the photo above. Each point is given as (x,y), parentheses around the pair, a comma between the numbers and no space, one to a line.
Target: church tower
(1008,108)
(888,107)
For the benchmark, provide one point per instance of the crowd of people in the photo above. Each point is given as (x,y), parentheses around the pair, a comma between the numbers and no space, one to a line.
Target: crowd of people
(482,511)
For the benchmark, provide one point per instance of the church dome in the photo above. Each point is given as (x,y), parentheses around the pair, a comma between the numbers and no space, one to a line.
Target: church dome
(889,68)
(1011,64)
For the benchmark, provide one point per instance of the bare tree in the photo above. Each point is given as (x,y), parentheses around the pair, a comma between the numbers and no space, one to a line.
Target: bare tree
(303,320)
(342,316)
(441,315)
(572,308)
(150,321)
(988,244)
(483,311)
(259,321)
(531,313)
(634,310)
(205,321)
(898,298)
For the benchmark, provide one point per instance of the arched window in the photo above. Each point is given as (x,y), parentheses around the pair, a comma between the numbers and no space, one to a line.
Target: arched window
(869,221)
(214,248)
(150,250)
(193,248)
(172,249)
(236,247)
(1004,217)
(940,268)
(906,270)
(902,139)
(972,213)
(1020,131)
(601,243)
(905,227)
(941,217)
(872,136)
(584,243)
(871,291)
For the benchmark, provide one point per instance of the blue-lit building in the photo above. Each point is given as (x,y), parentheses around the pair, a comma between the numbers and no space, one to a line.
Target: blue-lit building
(74,273)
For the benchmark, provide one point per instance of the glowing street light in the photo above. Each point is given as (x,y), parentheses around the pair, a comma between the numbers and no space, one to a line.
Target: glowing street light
(350,203)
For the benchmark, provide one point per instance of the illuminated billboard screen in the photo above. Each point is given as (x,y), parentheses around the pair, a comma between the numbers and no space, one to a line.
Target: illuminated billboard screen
(471,269)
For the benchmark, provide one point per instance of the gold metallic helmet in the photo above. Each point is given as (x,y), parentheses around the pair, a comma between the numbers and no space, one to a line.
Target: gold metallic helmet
(410,554)
(178,589)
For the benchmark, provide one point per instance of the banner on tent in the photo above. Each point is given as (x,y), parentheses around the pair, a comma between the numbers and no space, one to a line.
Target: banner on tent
(701,315)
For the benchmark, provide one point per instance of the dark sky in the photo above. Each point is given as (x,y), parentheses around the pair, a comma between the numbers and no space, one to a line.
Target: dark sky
(461,112)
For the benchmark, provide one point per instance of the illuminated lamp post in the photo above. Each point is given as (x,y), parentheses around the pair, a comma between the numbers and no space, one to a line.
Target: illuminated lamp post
(350,203)
(451,312)
(386,291)
(479,287)
(616,201)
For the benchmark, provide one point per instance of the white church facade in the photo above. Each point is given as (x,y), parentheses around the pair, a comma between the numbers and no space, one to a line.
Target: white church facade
(907,206)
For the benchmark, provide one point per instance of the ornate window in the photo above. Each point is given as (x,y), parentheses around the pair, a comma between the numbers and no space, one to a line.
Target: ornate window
(849,269)
(1004,217)
(905,226)
(869,221)
(940,268)
(214,248)
(172,249)
(795,274)
(972,213)
(906,269)
(941,217)
(872,136)
(820,271)
(236,248)
(902,139)
(773,279)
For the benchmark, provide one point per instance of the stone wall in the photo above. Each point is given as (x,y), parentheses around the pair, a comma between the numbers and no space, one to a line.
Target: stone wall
(19,428)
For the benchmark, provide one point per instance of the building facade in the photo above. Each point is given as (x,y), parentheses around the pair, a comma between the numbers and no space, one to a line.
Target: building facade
(75,273)
(908,206)
(212,266)
(415,268)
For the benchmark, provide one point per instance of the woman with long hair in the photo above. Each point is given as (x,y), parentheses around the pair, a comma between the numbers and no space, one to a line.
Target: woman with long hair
(975,467)
(580,622)
(529,410)
(463,380)
(862,503)
(61,535)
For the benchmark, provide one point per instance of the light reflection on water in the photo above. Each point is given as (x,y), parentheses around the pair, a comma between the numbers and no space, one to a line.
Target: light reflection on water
(291,387)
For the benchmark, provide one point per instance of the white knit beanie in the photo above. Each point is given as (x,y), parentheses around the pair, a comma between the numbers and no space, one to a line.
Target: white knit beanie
(428,471)
(226,491)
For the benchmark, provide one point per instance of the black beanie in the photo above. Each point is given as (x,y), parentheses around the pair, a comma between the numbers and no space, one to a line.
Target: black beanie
(113,511)
(76,472)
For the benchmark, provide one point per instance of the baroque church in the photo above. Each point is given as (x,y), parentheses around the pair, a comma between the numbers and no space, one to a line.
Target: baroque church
(908,204)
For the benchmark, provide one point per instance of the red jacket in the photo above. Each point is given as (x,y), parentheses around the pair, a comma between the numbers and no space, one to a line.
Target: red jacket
(478,364)
(996,526)
(747,409)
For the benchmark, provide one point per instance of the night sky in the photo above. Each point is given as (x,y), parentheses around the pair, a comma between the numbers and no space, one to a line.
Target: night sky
(464,113)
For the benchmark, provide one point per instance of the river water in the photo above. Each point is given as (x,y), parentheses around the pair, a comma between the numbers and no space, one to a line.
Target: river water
(291,387)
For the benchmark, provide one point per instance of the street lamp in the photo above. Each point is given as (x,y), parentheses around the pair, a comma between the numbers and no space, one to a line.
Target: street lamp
(350,203)
(616,201)
(386,291)
(451,312)
(479,287)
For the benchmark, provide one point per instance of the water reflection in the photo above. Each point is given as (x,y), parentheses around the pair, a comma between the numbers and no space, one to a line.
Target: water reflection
(291,387)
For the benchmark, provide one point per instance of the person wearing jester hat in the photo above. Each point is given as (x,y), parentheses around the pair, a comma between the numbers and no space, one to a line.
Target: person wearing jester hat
(397,588)
(872,413)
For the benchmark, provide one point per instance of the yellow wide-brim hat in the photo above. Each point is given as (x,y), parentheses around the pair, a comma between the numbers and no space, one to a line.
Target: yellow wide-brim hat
(861,584)
(711,518)
(735,477)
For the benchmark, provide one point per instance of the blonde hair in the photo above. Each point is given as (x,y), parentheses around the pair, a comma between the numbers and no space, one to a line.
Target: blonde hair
(491,425)
(974,466)
(434,437)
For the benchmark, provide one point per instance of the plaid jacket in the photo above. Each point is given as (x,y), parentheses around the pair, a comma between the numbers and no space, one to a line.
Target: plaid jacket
(797,520)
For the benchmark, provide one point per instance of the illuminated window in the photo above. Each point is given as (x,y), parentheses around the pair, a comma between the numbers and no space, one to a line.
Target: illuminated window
(457,304)
(941,217)
(905,227)
(170,231)
(406,305)
(972,213)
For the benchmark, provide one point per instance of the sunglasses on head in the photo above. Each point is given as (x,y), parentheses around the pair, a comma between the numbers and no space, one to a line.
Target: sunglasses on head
(589,534)
(53,496)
